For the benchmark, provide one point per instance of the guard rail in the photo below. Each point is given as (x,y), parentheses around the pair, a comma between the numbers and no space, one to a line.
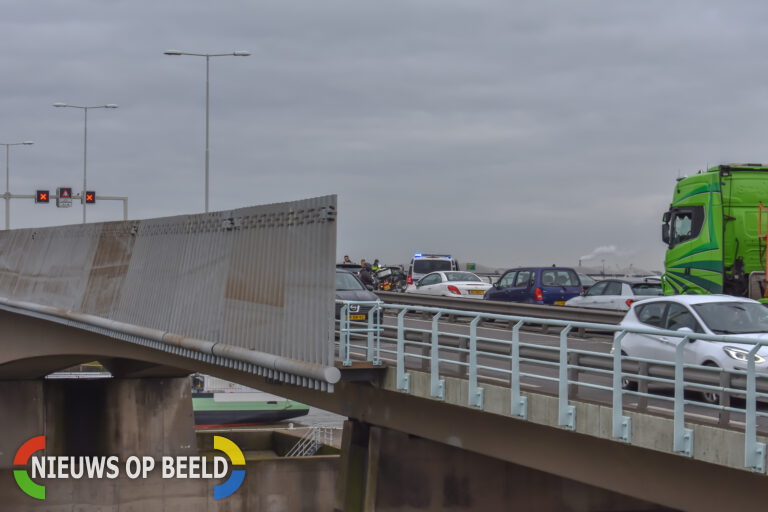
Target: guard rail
(477,357)
(589,315)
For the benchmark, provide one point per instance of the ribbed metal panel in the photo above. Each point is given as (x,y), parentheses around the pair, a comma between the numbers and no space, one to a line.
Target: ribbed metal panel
(260,278)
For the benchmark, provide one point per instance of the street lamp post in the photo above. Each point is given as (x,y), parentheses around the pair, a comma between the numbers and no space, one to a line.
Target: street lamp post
(208,56)
(85,141)
(7,194)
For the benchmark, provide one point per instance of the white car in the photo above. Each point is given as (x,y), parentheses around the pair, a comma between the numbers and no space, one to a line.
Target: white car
(450,284)
(617,294)
(706,314)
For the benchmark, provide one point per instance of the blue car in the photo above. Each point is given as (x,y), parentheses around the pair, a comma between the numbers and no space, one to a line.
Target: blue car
(536,285)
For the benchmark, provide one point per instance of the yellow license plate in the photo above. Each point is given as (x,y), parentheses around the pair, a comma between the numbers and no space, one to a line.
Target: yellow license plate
(357,317)
(476,292)
(559,303)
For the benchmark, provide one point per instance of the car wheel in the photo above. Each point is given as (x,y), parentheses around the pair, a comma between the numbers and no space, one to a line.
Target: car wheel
(627,383)
(710,396)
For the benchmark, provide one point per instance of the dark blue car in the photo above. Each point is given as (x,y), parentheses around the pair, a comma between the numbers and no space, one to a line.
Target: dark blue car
(536,285)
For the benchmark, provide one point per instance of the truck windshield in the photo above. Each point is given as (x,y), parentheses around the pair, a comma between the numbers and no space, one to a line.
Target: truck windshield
(733,317)
(686,224)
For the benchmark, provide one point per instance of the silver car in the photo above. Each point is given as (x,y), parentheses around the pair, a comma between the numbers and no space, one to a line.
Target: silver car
(704,314)
(617,294)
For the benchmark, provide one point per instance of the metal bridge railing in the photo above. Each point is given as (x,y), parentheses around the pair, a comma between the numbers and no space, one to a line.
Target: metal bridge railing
(413,337)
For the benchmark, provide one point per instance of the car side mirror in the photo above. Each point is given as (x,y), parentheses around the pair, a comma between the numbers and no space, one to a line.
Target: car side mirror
(583,293)
(665,233)
(686,330)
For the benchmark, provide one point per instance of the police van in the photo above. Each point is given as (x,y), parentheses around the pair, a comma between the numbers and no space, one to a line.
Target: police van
(423,264)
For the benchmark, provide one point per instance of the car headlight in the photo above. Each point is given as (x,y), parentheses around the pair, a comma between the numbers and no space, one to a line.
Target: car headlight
(740,354)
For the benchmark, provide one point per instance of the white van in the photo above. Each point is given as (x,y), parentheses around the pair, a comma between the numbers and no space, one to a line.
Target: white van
(423,264)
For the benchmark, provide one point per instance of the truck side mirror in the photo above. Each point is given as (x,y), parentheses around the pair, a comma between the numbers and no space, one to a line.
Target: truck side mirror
(665,233)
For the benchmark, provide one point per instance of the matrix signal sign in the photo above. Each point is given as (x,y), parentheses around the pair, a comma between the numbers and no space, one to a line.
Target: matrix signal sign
(90,197)
(64,197)
(43,196)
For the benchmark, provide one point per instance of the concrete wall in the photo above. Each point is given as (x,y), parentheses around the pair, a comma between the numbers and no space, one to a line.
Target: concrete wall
(276,485)
(120,417)
(400,472)
(22,416)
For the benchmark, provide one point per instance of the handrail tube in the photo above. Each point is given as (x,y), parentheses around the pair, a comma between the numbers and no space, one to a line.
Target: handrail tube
(588,325)
(327,374)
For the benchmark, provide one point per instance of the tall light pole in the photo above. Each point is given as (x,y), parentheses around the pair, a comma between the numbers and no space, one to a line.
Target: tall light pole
(208,56)
(7,194)
(85,142)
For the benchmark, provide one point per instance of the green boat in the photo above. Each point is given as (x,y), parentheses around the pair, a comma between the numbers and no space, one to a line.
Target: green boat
(226,410)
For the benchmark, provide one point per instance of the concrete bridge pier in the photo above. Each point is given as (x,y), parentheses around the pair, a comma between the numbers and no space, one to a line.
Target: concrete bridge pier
(123,417)
(383,469)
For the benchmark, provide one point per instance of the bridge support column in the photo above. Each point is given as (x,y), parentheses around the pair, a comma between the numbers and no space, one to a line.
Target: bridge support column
(122,417)
(22,416)
(389,470)
(351,483)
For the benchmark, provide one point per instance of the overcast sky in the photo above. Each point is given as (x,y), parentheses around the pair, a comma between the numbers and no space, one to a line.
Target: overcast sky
(505,133)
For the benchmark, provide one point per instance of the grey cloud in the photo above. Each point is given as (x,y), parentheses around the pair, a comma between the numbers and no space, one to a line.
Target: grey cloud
(506,133)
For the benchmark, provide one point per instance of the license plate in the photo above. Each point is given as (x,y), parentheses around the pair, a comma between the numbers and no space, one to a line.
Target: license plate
(357,317)
(476,292)
(559,303)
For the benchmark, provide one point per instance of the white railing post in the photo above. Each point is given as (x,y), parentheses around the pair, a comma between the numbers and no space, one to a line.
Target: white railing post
(343,332)
(403,379)
(621,423)
(475,392)
(683,437)
(565,413)
(754,452)
(436,384)
(519,404)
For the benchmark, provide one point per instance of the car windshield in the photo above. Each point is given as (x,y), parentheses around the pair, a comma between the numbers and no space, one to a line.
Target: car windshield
(462,276)
(733,317)
(429,266)
(586,280)
(647,289)
(347,282)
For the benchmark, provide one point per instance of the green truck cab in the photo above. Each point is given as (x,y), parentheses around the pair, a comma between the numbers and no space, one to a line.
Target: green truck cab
(712,232)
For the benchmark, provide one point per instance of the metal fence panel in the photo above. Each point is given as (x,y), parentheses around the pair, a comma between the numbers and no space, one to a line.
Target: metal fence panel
(259,278)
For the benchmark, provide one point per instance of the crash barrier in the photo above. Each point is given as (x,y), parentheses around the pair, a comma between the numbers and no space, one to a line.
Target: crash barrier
(488,358)
(588,315)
